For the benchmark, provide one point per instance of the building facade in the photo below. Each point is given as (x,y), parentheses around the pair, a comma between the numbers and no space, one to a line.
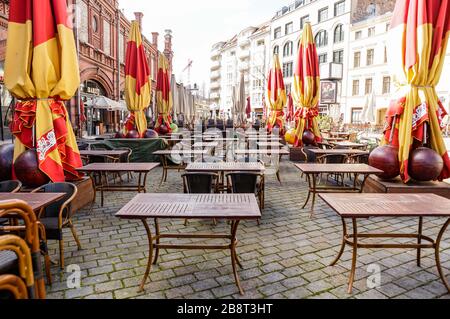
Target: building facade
(101,32)
(246,52)
(330,21)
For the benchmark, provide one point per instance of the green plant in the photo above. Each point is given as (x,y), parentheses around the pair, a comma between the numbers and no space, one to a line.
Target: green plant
(325,122)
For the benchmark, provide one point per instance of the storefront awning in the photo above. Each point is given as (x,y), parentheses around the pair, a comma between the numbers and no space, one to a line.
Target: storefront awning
(104,103)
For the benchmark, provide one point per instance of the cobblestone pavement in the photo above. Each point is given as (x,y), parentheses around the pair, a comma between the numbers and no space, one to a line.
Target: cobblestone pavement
(287,256)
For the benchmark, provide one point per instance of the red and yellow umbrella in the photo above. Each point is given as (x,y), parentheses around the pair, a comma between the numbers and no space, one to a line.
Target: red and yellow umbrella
(41,71)
(418,44)
(306,88)
(163,96)
(137,82)
(276,96)
(290,108)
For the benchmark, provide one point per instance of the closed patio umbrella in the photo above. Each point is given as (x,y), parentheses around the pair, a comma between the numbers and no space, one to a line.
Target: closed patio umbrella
(290,108)
(164,101)
(276,96)
(417,49)
(176,103)
(306,87)
(41,71)
(241,101)
(248,108)
(137,82)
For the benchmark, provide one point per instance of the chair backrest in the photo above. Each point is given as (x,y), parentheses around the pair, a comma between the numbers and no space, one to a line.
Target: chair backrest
(310,156)
(126,157)
(54,209)
(10,186)
(199,183)
(14,286)
(334,159)
(243,182)
(361,159)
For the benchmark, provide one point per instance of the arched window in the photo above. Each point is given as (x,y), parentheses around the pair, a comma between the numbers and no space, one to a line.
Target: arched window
(276,50)
(339,33)
(321,38)
(288,49)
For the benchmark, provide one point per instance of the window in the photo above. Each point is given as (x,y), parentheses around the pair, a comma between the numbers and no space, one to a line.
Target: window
(277,33)
(357,59)
(388,26)
(323,58)
(368,88)
(355,88)
(385,55)
(232,53)
(358,35)
(288,69)
(338,56)
(95,24)
(288,49)
(339,33)
(339,8)
(371,32)
(276,50)
(386,84)
(356,115)
(323,14)
(288,88)
(321,38)
(289,28)
(260,43)
(370,56)
(106,37)
(303,21)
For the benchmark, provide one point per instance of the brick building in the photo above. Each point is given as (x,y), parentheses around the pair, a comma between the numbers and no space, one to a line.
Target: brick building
(101,31)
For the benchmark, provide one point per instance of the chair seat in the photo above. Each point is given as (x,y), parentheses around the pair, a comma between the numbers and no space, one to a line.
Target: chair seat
(51,228)
(3,221)
(8,262)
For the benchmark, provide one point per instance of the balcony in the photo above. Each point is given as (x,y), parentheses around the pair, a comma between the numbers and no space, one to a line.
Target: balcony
(215,53)
(215,65)
(215,96)
(331,71)
(244,66)
(215,85)
(244,54)
(243,42)
(215,75)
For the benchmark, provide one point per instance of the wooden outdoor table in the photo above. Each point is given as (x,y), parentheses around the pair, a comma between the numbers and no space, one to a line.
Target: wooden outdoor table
(348,144)
(363,206)
(313,170)
(280,152)
(205,144)
(339,134)
(166,154)
(272,145)
(36,201)
(116,153)
(102,169)
(334,139)
(233,207)
(339,151)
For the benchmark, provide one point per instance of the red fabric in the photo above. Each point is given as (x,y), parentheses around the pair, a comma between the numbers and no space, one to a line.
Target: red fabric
(82,115)
(136,65)
(248,109)
(290,108)
(130,124)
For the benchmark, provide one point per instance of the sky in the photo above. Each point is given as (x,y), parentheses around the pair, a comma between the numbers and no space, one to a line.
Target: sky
(197,25)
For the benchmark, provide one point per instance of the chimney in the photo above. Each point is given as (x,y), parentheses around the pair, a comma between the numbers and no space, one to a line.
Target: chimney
(138,16)
(168,41)
(155,39)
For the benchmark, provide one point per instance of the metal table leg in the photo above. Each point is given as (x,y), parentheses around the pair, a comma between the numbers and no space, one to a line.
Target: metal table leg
(150,255)
(437,254)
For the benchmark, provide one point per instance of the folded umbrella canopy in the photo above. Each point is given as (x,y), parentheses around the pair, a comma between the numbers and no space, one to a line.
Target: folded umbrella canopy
(306,87)
(290,108)
(276,96)
(137,82)
(241,101)
(248,108)
(417,48)
(41,71)
(163,95)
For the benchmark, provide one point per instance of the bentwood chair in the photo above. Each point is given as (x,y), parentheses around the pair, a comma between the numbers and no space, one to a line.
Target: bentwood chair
(16,269)
(10,186)
(334,159)
(200,183)
(247,183)
(23,223)
(58,215)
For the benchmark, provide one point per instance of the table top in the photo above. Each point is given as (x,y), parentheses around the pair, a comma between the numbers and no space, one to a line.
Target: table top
(35,200)
(388,205)
(339,133)
(225,167)
(221,139)
(181,152)
(262,152)
(334,139)
(103,152)
(321,151)
(206,144)
(312,168)
(348,144)
(269,144)
(192,206)
(119,167)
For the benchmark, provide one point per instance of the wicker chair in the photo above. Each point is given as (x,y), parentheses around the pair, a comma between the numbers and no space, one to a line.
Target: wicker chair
(247,183)
(10,186)
(25,224)
(59,215)
(16,269)
(200,183)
